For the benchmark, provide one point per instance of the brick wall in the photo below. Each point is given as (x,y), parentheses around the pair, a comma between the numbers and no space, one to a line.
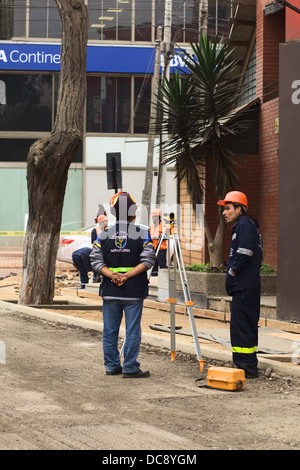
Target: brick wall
(191,236)
(270,33)
(268,181)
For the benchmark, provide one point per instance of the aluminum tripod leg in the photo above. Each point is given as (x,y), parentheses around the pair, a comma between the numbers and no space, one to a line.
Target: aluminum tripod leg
(172,301)
(187,297)
(156,252)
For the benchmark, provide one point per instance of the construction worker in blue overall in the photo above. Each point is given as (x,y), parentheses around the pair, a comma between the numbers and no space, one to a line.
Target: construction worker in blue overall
(243,281)
(123,254)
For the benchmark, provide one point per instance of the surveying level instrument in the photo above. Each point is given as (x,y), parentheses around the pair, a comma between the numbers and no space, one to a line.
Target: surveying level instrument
(171,229)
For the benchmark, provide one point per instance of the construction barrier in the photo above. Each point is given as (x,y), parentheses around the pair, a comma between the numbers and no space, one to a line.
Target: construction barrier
(11,251)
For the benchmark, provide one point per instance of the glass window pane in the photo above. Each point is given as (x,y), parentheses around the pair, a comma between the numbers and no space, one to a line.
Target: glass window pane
(102,21)
(142,101)
(124,102)
(54,25)
(38,19)
(211,21)
(224,13)
(191,21)
(159,12)
(72,210)
(6,19)
(108,104)
(94,31)
(93,103)
(101,104)
(110,19)
(124,21)
(26,102)
(177,20)
(14,150)
(14,199)
(19,18)
(143,17)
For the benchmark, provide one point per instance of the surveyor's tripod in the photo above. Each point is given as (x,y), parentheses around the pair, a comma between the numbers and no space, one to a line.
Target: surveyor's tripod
(172,232)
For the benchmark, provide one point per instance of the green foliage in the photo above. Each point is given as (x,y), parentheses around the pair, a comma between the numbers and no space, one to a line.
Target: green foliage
(266,269)
(206,268)
(197,111)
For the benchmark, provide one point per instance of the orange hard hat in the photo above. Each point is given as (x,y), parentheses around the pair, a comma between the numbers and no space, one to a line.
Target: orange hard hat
(123,201)
(102,218)
(234,197)
(156,212)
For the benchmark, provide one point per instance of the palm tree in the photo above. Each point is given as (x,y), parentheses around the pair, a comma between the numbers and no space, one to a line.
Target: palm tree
(199,106)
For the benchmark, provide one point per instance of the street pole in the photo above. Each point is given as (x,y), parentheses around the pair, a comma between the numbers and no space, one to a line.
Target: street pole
(147,192)
(162,170)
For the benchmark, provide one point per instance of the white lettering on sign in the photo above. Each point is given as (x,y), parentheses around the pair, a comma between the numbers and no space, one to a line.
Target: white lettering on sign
(296,94)
(3,56)
(31,58)
(34,57)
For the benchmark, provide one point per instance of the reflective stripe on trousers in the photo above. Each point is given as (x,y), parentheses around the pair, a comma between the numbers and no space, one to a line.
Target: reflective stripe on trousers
(237,349)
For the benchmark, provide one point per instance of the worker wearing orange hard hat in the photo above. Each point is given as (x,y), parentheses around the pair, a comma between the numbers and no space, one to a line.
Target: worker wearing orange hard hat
(122,254)
(243,280)
(156,231)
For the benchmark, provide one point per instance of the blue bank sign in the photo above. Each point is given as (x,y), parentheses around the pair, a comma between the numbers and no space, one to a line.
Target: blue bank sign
(113,59)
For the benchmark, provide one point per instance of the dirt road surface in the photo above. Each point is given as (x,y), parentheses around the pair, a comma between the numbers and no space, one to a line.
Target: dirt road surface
(55,396)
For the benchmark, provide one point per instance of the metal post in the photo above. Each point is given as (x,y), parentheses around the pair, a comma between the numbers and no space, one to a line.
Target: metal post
(162,173)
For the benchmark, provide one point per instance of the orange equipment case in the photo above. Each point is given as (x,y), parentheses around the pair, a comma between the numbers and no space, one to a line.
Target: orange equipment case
(225,378)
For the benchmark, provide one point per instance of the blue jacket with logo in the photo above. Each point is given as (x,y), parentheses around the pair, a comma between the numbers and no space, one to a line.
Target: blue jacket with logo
(245,258)
(120,248)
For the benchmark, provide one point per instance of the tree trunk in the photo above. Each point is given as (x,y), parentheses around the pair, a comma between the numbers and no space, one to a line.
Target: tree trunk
(216,245)
(49,159)
(216,248)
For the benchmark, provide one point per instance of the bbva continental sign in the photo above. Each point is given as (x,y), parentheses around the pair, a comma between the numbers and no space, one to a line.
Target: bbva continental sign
(100,58)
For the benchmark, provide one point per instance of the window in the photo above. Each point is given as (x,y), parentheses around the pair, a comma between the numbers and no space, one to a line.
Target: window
(19,15)
(6,19)
(109,104)
(191,22)
(15,150)
(44,21)
(142,103)
(26,102)
(218,13)
(143,20)
(110,19)
(115,20)
(29,18)
(248,88)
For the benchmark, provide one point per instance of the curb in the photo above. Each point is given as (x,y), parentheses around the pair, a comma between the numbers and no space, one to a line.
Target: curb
(147,338)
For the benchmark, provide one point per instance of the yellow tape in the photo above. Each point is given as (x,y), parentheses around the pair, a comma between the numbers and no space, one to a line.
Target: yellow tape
(9,234)
(87,234)
(19,234)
